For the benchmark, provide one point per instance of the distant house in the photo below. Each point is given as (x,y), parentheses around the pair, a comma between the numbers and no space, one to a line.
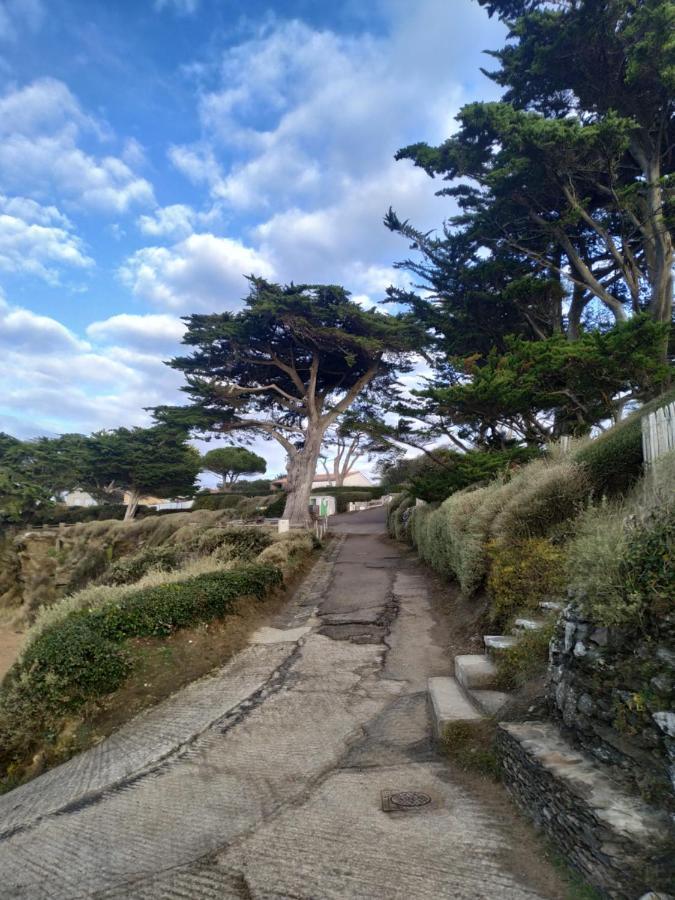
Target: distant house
(82,498)
(78,498)
(161,503)
(352,479)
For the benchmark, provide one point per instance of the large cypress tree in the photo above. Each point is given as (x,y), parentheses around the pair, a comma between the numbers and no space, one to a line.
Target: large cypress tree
(286,367)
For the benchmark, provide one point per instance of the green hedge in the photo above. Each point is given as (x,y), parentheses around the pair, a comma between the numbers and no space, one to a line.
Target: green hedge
(128,569)
(614,459)
(82,657)
(207,500)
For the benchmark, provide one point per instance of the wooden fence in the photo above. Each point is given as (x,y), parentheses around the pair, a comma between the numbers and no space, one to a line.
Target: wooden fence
(658,433)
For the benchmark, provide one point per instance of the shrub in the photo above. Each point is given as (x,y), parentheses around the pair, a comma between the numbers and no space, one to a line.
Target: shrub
(614,460)
(160,610)
(130,568)
(525,660)
(522,574)
(620,559)
(207,500)
(400,518)
(79,658)
(433,480)
(545,495)
(287,552)
(275,510)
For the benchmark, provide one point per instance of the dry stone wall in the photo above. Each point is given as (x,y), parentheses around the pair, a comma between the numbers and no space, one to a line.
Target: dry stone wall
(612,690)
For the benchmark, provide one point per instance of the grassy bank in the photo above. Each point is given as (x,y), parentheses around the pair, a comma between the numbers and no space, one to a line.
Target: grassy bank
(88,655)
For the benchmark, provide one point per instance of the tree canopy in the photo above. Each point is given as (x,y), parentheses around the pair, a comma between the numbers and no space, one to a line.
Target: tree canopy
(286,366)
(562,235)
(156,461)
(231,463)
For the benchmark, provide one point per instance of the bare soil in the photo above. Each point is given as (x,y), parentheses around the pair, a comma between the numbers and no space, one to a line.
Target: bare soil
(11,642)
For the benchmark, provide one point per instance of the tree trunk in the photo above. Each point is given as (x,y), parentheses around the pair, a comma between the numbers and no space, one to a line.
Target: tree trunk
(132,505)
(301,471)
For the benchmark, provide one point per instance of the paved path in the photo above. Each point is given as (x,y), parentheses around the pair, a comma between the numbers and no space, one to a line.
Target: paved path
(264,780)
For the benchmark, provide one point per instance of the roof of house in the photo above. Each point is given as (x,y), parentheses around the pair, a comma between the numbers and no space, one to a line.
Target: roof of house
(322,477)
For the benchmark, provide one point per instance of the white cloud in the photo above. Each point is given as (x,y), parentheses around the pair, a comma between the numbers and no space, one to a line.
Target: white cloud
(37,240)
(59,382)
(41,125)
(182,7)
(203,272)
(173,222)
(26,331)
(17,15)
(309,121)
(140,332)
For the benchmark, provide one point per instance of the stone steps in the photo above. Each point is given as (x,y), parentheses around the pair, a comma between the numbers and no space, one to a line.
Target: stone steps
(488,702)
(550,606)
(613,837)
(497,643)
(449,704)
(475,671)
(522,625)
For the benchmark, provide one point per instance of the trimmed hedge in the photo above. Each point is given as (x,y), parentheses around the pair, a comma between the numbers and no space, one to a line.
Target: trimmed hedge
(614,459)
(207,500)
(82,657)
(128,569)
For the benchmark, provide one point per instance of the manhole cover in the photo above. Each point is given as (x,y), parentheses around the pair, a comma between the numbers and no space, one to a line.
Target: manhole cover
(403,800)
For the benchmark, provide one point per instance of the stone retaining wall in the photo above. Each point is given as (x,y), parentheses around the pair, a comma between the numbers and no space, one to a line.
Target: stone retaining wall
(613,694)
(621,846)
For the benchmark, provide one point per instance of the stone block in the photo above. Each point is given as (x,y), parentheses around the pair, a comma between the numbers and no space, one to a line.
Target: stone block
(448,704)
(475,671)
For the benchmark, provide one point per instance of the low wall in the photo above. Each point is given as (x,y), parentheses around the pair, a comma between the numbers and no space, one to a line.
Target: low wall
(612,691)
(622,847)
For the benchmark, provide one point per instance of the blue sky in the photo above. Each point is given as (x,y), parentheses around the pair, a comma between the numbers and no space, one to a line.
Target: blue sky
(153,152)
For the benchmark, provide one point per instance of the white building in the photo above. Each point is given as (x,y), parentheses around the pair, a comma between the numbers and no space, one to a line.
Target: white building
(354,478)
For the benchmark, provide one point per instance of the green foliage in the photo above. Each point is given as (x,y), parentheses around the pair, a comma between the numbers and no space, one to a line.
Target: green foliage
(620,562)
(434,479)
(155,461)
(521,574)
(81,657)
(574,381)
(525,660)
(19,497)
(548,495)
(275,509)
(470,745)
(614,460)
(232,462)
(130,568)
(207,500)
(535,501)
(398,516)
(160,610)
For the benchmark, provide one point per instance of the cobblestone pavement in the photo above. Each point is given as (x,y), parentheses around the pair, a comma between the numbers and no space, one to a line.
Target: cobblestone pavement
(265,780)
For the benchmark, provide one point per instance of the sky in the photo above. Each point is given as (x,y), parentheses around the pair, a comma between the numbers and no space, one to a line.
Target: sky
(154,152)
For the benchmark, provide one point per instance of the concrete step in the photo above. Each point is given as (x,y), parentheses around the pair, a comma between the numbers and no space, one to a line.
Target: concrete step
(475,670)
(488,702)
(550,606)
(448,704)
(613,837)
(497,643)
(521,625)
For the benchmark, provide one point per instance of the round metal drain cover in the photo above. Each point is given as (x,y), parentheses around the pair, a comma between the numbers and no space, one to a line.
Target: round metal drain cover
(409,799)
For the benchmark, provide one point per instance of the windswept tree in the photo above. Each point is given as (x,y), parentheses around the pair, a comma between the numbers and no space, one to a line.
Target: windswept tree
(549,293)
(157,461)
(286,368)
(356,435)
(231,463)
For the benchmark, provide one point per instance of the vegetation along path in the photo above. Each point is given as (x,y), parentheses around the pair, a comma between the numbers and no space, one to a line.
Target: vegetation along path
(265,779)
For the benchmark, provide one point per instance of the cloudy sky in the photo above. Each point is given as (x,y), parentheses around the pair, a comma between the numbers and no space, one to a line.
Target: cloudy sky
(153,152)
